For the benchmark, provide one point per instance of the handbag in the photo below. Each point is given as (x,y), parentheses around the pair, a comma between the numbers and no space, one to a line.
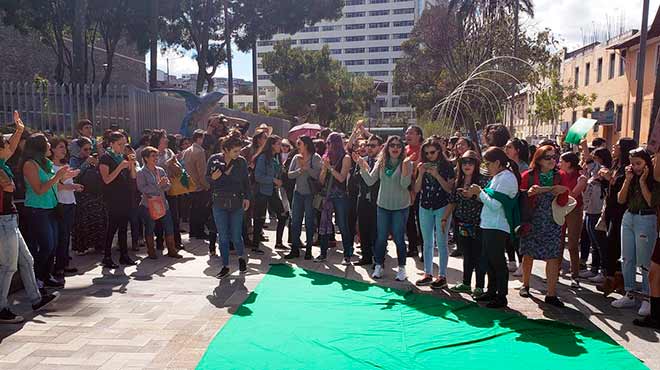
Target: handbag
(315,185)
(227,201)
(156,204)
(319,198)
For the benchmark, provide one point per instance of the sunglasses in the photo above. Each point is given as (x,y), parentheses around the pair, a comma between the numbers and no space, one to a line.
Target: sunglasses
(549,157)
(395,146)
(468,161)
(372,145)
(430,152)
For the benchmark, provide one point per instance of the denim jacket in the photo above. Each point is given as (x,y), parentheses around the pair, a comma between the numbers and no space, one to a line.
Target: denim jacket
(264,174)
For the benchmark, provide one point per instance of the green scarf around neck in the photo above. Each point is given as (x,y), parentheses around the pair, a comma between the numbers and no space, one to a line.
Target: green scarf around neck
(390,167)
(118,158)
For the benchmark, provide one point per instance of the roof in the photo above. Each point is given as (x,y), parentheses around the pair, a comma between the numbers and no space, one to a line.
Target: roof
(654,31)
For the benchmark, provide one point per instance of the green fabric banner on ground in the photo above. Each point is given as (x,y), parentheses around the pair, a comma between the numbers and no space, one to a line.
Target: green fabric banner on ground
(299,319)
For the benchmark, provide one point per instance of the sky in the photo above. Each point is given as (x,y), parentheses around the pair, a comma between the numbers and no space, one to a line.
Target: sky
(572,22)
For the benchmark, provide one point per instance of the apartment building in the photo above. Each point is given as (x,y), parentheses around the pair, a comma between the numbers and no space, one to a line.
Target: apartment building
(366,40)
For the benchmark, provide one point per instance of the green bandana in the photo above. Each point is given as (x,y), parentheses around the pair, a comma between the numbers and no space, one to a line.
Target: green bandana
(4,167)
(118,158)
(390,168)
(185,179)
(276,166)
(547,179)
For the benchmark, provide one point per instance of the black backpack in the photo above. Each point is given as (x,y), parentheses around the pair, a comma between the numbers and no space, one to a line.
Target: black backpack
(90,178)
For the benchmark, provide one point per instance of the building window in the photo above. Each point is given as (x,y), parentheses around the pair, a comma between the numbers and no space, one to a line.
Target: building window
(612,66)
(376,13)
(379,25)
(576,82)
(309,41)
(357,73)
(272,103)
(354,50)
(328,40)
(335,51)
(358,62)
(396,60)
(400,36)
(622,64)
(379,1)
(599,70)
(396,48)
(360,26)
(619,116)
(596,125)
(587,72)
(379,49)
(261,55)
(330,28)
(354,2)
(378,73)
(404,11)
(402,23)
(379,61)
(354,38)
(379,37)
(310,29)
(354,14)
(266,43)
(260,66)
(262,77)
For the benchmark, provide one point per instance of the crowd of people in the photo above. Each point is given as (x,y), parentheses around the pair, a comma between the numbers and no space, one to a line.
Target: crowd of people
(503,204)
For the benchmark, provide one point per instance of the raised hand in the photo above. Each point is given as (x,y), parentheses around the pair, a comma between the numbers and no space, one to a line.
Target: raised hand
(645,175)
(629,173)
(18,121)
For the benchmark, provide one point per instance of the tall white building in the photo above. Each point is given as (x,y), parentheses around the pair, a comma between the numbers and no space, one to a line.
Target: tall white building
(367,40)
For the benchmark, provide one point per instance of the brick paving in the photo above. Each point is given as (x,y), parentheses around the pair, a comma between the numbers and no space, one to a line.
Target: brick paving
(162,314)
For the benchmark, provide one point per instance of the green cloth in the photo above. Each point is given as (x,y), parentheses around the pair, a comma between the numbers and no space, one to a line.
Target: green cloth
(47,200)
(299,319)
(510,206)
(547,179)
(390,167)
(118,158)
(185,179)
(579,130)
(4,167)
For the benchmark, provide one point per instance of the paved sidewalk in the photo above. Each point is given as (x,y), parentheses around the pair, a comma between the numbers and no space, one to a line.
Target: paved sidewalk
(162,314)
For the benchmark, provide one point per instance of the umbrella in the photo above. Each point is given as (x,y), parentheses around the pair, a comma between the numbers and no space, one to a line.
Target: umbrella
(309,129)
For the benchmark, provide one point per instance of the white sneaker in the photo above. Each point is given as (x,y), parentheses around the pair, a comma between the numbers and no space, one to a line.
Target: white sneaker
(627,301)
(401,274)
(518,272)
(645,310)
(512,266)
(378,272)
(598,279)
(586,274)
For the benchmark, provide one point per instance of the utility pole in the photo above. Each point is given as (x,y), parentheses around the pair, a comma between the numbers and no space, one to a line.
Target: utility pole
(641,63)
(255,87)
(516,11)
(230,73)
(153,45)
(78,75)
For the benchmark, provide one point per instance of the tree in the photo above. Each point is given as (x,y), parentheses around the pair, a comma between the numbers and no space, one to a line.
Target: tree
(261,19)
(306,77)
(196,25)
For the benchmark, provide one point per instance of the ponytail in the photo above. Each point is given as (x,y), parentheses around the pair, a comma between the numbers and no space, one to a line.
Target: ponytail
(513,167)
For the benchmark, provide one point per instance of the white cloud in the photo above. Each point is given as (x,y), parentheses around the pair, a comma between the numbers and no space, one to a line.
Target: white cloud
(183,62)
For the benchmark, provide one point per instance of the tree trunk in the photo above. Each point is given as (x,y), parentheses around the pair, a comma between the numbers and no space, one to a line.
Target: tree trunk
(78,75)
(230,74)
(255,92)
(153,45)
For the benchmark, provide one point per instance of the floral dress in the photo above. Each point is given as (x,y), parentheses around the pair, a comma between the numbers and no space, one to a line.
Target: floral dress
(543,242)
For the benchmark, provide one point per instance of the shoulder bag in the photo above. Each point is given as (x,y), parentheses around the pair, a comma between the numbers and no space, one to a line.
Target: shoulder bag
(156,204)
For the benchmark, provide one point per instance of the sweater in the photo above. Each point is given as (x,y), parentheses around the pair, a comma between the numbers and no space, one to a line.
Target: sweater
(393,193)
(301,176)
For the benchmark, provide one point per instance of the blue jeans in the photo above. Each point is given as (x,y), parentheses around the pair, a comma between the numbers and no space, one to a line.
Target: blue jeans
(150,224)
(340,205)
(393,222)
(230,229)
(14,254)
(42,239)
(64,226)
(430,221)
(302,207)
(638,235)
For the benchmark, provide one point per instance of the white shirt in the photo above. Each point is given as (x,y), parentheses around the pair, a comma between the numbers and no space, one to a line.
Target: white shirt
(65,196)
(492,213)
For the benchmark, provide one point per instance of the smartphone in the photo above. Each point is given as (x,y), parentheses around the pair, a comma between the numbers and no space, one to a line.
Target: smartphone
(429,165)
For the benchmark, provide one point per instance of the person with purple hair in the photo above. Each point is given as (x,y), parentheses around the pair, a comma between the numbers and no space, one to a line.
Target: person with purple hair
(336,166)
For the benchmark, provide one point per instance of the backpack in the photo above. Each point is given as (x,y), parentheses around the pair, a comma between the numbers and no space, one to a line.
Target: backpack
(90,178)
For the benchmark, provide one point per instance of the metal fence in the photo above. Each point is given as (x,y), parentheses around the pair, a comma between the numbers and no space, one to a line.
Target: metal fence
(58,107)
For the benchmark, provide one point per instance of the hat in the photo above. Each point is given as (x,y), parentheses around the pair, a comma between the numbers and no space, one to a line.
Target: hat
(559,212)
(264,128)
(286,141)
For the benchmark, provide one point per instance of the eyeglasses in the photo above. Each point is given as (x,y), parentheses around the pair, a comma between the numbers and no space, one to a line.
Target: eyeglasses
(430,152)
(372,145)
(395,146)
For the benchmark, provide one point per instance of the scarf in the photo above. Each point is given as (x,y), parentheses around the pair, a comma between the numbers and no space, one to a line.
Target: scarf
(390,167)
(4,167)
(118,158)
(185,179)
(547,179)
(510,206)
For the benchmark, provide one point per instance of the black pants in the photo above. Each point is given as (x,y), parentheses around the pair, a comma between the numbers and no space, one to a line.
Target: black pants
(117,223)
(494,245)
(200,211)
(513,250)
(611,243)
(472,251)
(273,204)
(367,224)
(352,214)
(413,231)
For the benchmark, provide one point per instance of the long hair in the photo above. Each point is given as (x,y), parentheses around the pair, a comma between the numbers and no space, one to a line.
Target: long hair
(335,150)
(494,153)
(604,156)
(643,154)
(268,148)
(476,176)
(309,144)
(538,154)
(626,144)
(36,148)
(521,147)
(441,161)
(573,159)
(54,142)
(384,155)
(156,136)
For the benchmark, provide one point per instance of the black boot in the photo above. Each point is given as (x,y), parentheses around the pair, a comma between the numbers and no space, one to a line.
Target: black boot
(109,263)
(126,260)
(308,253)
(295,253)
(653,320)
